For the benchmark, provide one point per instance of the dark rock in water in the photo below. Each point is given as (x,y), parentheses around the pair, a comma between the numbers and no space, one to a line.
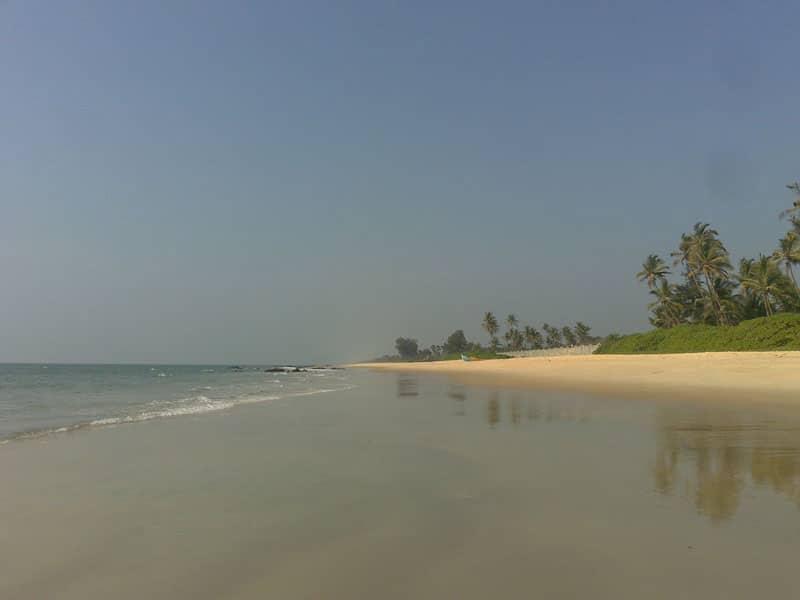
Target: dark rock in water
(285,370)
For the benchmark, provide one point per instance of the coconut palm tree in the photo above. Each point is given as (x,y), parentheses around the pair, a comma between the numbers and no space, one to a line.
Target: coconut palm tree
(795,209)
(666,309)
(766,282)
(490,325)
(788,253)
(653,270)
(689,242)
(532,337)
(515,339)
(582,331)
(511,321)
(708,259)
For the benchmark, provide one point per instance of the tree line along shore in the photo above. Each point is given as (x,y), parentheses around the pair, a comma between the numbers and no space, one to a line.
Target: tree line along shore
(711,306)
(700,303)
(516,336)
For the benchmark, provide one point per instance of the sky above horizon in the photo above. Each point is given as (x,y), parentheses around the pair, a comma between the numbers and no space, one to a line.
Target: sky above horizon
(306,181)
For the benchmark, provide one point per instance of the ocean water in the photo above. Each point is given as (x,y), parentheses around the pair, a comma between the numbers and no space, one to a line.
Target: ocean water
(37,400)
(392,486)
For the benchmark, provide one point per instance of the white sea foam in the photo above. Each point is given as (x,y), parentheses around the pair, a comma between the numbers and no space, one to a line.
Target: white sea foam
(195,405)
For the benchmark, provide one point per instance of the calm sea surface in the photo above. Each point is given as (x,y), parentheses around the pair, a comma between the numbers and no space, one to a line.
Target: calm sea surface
(206,482)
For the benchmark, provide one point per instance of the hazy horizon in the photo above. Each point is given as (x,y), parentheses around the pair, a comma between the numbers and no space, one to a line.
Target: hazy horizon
(253,184)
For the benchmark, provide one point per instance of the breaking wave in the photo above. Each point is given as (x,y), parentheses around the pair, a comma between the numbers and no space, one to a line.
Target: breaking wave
(195,405)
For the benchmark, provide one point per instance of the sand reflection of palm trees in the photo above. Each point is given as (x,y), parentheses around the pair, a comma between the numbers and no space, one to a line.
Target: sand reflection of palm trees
(716,457)
(516,410)
(493,409)
(407,386)
(458,394)
(536,410)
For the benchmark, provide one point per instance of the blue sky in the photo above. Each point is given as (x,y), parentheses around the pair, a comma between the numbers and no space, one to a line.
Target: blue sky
(306,181)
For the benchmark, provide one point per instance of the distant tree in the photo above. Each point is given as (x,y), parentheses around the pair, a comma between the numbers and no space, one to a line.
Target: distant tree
(766,282)
(795,209)
(569,336)
(532,337)
(653,270)
(666,310)
(490,325)
(511,321)
(553,336)
(582,333)
(457,342)
(788,253)
(406,347)
(516,340)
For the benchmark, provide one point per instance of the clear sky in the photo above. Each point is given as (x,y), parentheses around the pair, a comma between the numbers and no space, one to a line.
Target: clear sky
(306,181)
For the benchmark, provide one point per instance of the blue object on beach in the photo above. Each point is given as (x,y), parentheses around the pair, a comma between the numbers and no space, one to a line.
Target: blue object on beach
(466,358)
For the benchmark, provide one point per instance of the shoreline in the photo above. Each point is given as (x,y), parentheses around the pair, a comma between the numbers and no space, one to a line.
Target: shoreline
(754,376)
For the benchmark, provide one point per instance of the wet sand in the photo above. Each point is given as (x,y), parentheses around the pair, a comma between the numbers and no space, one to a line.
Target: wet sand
(411,486)
(773,376)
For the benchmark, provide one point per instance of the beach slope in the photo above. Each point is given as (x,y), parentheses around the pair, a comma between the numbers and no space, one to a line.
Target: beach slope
(746,375)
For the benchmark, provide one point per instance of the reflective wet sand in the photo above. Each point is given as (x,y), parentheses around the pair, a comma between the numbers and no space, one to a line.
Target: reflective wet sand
(412,487)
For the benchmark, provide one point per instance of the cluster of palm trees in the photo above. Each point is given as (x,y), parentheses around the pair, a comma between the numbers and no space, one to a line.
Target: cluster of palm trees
(530,338)
(711,292)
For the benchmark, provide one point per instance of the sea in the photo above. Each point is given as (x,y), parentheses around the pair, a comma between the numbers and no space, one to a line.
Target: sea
(42,399)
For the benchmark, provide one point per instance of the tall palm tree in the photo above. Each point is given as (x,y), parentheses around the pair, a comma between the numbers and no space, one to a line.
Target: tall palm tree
(490,325)
(582,331)
(765,281)
(666,309)
(653,270)
(532,337)
(516,339)
(689,242)
(795,209)
(511,321)
(788,253)
(708,258)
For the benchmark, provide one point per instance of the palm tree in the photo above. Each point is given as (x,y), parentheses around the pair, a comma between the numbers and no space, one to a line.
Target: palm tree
(708,258)
(532,337)
(489,324)
(511,321)
(690,241)
(666,309)
(795,209)
(765,281)
(553,339)
(788,253)
(516,339)
(582,331)
(653,270)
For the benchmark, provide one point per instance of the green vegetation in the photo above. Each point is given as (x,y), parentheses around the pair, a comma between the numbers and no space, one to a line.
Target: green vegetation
(778,332)
(714,308)
(709,292)
(527,338)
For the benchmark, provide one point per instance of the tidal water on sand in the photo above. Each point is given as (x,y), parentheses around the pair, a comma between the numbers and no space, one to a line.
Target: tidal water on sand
(400,486)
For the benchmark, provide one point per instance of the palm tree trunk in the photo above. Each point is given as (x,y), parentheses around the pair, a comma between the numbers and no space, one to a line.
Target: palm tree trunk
(790,272)
(714,299)
(767,305)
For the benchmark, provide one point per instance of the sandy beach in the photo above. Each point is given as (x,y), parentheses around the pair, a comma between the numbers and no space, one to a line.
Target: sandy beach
(744,375)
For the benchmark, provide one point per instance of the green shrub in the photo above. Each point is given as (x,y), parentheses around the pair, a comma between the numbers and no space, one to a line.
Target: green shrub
(779,332)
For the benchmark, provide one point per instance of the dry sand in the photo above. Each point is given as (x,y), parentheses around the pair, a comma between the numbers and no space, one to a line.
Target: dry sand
(743,375)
